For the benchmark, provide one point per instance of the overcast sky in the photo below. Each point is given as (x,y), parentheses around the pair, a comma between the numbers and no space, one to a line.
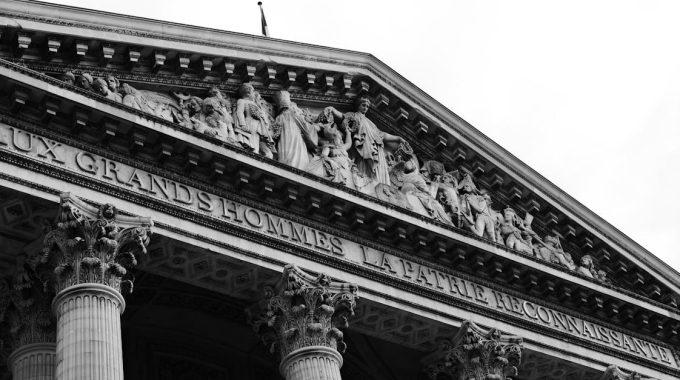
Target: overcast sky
(585,92)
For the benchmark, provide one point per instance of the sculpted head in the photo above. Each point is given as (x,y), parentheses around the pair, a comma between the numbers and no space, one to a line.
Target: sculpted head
(363,104)
(195,104)
(112,82)
(68,77)
(509,214)
(100,86)
(485,194)
(282,99)
(84,80)
(587,261)
(215,92)
(107,211)
(210,105)
(246,91)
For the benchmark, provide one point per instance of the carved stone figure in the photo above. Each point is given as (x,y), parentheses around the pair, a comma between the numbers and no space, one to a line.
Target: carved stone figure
(68,77)
(587,268)
(100,86)
(333,162)
(515,233)
(415,186)
(478,215)
(448,196)
(114,86)
(148,101)
(293,132)
(390,193)
(251,125)
(550,249)
(220,114)
(370,143)
(84,81)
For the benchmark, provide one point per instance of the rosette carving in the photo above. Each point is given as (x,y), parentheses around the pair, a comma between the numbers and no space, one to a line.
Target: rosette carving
(95,245)
(484,354)
(304,311)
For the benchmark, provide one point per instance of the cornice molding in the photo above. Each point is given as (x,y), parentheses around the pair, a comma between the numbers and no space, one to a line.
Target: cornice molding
(109,26)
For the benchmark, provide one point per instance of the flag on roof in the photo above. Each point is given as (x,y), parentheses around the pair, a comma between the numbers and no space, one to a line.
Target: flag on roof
(265,29)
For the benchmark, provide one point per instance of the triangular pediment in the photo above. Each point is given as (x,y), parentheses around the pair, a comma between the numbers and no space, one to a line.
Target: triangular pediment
(412,176)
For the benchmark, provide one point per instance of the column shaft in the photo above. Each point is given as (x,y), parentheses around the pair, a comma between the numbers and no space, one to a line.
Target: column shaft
(312,363)
(89,343)
(33,362)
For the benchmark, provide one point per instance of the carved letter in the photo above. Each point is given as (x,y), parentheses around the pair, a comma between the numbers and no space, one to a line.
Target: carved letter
(204,201)
(336,248)
(155,182)
(322,241)
(15,140)
(253,217)
(229,207)
(86,162)
(178,194)
(49,150)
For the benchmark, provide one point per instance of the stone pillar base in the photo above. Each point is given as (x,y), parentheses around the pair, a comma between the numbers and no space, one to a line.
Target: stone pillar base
(312,363)
(36,361)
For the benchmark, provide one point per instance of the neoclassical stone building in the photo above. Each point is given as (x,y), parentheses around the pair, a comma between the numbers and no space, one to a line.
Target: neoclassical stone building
(186,203)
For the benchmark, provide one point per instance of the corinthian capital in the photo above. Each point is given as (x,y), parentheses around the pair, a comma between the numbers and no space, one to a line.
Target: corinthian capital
(306,310)
(615,373)
(95,245)
(25,312)
(484,354)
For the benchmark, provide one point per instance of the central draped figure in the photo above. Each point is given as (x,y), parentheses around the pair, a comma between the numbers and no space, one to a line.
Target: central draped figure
(369,143)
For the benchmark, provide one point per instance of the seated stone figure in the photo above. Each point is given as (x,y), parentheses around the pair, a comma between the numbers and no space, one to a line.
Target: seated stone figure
(412,183)
(332,162)
(515,233)
(550,249)
(587,268)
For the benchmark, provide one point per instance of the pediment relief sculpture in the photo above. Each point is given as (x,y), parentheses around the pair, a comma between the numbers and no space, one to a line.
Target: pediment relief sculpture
(348,149)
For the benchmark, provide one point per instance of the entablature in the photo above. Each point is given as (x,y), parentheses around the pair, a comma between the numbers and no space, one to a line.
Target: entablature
(191,158)
(179,56)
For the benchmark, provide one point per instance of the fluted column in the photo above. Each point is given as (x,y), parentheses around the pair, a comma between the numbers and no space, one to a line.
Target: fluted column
(301,319)
(481,354)
(35,361)
(92,250)
(26,319)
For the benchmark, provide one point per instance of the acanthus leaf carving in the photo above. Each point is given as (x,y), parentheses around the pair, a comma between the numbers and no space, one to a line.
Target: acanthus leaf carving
(483,354)
(95,245)
(304,311)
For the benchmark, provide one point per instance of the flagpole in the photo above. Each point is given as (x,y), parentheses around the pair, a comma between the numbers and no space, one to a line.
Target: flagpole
(265,28)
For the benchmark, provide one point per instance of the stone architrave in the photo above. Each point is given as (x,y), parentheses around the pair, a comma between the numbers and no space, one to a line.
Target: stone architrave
(301,319)
(483,354)
(615,373)
(92,250)
(25,312)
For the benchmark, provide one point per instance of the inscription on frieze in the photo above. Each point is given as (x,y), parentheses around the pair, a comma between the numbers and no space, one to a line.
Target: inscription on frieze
(211,205)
